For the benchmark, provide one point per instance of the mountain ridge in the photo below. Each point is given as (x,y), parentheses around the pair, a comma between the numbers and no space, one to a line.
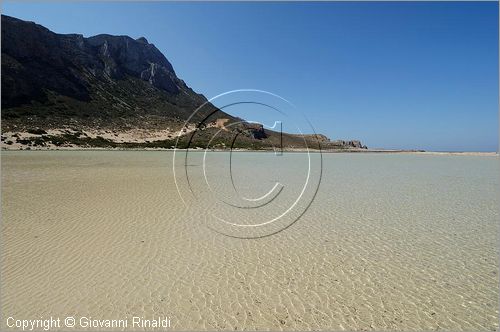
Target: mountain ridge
(67,90)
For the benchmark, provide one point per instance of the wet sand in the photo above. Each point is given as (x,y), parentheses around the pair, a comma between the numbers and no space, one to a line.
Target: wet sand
(390,242)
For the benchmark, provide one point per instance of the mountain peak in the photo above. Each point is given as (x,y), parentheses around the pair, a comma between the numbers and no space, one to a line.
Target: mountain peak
(57,62)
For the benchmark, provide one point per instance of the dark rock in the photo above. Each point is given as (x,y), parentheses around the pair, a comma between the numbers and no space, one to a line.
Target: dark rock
(37,131)
(355,144)
(257,131)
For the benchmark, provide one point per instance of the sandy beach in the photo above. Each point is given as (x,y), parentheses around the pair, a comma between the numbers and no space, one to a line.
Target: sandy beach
(390,242)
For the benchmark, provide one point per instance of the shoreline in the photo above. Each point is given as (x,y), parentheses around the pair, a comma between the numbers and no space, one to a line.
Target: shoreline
(363,151)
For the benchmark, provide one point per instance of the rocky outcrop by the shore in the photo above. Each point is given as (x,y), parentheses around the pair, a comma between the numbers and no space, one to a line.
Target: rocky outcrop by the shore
(349,144)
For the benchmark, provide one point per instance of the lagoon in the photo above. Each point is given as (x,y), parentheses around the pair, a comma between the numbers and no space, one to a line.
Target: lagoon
(375,242)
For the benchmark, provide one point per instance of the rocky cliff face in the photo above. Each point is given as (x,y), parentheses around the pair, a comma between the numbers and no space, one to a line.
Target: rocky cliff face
(36,59)
(121,55)
(349,144)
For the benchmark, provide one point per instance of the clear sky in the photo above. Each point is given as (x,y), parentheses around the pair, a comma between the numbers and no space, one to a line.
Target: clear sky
(394,75)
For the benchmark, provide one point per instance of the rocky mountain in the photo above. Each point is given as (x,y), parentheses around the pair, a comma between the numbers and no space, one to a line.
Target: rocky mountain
(62,77)
(66,90)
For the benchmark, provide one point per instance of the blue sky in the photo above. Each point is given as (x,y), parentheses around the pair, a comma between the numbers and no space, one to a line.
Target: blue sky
(394,75)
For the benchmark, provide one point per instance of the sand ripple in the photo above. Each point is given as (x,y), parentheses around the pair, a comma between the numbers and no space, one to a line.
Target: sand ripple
(391,242)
